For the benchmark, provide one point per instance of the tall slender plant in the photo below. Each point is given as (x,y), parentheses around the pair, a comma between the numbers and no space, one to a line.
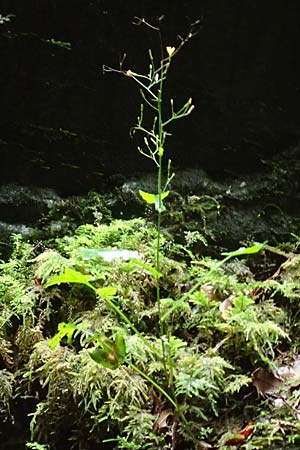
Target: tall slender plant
(154,141)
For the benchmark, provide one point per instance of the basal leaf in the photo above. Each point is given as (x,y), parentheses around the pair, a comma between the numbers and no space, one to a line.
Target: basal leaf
(106,344)
(98,355)
(64,329)
(109,354)
(134,264)
(70,276)
(105,359)
(108,254)
(54,342)
(120,347)
(109,291)
(245,251)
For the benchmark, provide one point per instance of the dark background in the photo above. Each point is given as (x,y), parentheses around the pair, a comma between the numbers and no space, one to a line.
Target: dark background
(66,125)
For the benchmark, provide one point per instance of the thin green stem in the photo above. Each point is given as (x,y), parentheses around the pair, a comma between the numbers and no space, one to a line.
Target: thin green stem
(131,325)
(157,263)
(159,192)
(172,398)
(154,139)
(157,386)
(167,358)
(123,316)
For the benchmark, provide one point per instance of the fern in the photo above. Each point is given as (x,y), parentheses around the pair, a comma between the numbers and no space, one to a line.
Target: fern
(7,383)
(129,234)
(234,383)
(36,446)
(202,376)
(138,434)
(254,327)
(50,263)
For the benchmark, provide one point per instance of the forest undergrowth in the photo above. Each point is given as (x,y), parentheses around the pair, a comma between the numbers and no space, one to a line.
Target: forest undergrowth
(88,363)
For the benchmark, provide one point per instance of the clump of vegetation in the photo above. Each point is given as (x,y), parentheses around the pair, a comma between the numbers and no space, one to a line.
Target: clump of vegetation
(123,338)
(104,372)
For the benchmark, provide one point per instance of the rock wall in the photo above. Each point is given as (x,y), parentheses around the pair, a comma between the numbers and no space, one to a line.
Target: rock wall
(65,125)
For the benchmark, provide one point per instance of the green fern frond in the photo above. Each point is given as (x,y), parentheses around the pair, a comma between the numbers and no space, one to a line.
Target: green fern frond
(7,384)
(234,383)
(50,263)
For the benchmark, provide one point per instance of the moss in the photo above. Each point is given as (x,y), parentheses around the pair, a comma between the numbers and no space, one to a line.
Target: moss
(214,343)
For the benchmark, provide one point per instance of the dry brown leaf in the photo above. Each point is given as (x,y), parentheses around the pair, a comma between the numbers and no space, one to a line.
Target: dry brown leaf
(225,305)
(296,367)
(162,420)
(156,401)
(204,445)
(266,382)
(209,292)
(293,380)
(285,373)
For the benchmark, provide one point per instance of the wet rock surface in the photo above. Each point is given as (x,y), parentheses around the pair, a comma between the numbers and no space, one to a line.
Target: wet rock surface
(26,204)
(264,206)
(258,207)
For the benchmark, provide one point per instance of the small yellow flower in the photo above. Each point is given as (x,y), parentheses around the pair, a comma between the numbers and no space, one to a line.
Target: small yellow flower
(160,151)
(170,51)
(129,73)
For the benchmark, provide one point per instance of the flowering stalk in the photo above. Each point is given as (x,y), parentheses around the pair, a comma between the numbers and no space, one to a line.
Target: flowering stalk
(154,138)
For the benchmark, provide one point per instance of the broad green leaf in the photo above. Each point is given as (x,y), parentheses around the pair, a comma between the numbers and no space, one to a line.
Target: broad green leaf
(109,291)
(245,251)
(70,276)
(64,329)
(98,355)
(54,342)
(108,255)
(136,263)
(164,195)
(109,354)
(149,198)
(120,347)
(152,198)
(105,359)
(106,344)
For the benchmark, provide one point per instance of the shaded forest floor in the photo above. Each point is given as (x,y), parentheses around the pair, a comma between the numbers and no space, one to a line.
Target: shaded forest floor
(90,360)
